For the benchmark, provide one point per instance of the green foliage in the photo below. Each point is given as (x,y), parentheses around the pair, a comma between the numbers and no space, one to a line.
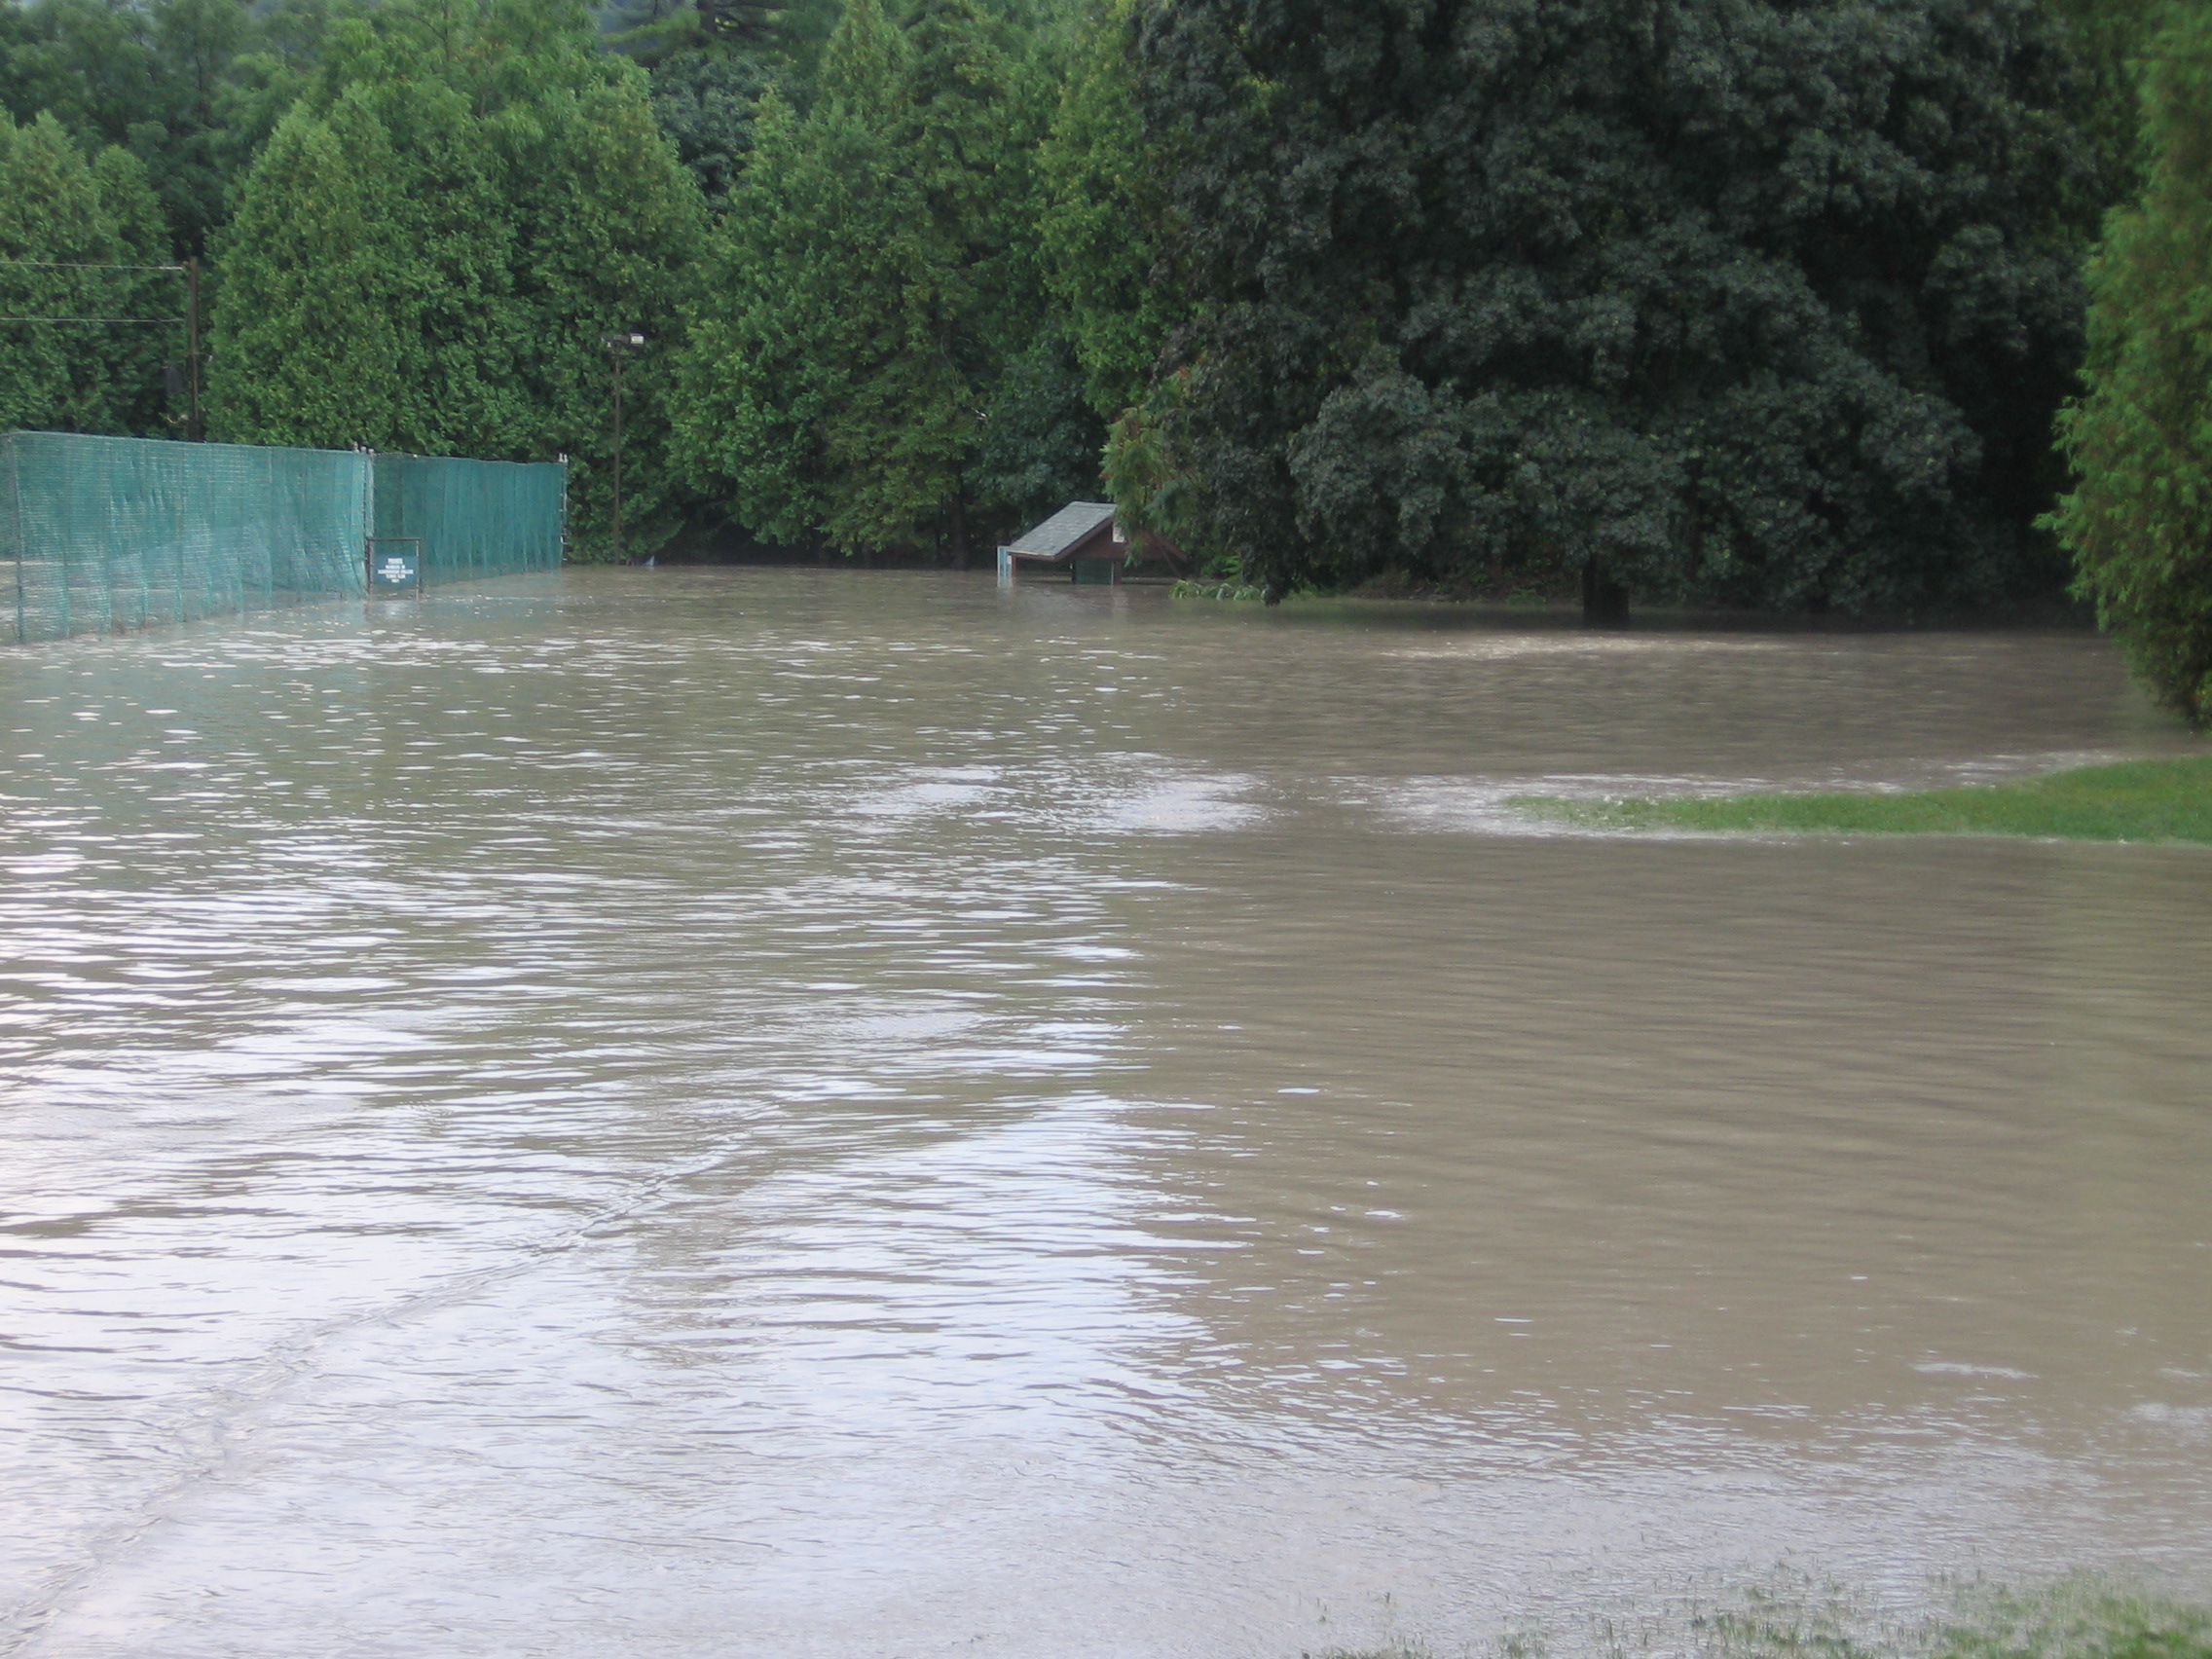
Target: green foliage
(650,31)
(2098,77)
(307,334)
(137,355)
(1229,593)
(152,77)
(1105,203)
(2081,1618)
(1154,496)
(870,304)
(2143,800)
(1793,1616)
(910,421)
(800,288)
(1746,302)
(1742,301)
(707,103)
(430,246)
(2139,520)
(1039,446)
(610,227)
(57,211)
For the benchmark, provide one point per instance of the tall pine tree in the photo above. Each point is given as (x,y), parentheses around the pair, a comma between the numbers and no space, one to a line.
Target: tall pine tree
(608,226)
(1105,205)
(800,295)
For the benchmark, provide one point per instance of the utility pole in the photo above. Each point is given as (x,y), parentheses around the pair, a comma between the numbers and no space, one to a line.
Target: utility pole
(616,345)
(193,428)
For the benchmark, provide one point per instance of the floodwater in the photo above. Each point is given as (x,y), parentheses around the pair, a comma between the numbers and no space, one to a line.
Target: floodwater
(768,1113)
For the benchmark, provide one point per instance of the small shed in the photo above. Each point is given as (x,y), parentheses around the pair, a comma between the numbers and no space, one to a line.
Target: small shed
(1081,538)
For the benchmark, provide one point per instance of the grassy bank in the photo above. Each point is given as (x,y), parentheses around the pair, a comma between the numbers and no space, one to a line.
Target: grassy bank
(2137,800)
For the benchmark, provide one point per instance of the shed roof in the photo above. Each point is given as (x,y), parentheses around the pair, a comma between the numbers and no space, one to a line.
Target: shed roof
(1062,531)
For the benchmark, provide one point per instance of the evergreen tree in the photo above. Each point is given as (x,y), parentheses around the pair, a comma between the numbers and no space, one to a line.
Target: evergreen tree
(431,247)
(707,103)
(307,330)
(609,230)
(2139,520)
(139,404)
(1041,442)
(873,288)
(180,138)
(911,424)
(1105,204)
(2097,76)
(801,297)
(452,237)
(91,65)
(756,369)
(151,76)
(1730,300)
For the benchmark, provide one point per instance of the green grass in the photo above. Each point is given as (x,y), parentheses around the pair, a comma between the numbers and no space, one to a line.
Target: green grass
(2085,1617)
(1235,593)
(2136,800)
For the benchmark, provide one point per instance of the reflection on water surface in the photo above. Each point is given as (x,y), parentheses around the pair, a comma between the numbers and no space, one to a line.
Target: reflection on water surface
(735,1113)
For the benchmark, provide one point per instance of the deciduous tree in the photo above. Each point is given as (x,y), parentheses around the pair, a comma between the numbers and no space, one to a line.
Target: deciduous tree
(1730,300)
(2139,519)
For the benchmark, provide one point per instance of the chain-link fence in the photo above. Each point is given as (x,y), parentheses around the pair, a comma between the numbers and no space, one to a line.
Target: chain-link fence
(100,533)
(472,518)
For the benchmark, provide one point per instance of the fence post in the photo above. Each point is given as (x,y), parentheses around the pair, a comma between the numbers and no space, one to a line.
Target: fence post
(15,507)
(368,516)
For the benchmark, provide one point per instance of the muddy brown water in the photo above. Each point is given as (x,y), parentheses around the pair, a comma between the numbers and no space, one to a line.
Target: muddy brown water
(757,1113)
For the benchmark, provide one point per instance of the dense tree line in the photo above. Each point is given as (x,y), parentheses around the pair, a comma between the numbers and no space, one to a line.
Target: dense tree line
(74,218)
(431,243)
(1745,301)
(874,317)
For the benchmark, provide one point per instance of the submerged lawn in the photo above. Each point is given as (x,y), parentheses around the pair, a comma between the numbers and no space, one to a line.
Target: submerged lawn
(2137,800)
(2079,1618)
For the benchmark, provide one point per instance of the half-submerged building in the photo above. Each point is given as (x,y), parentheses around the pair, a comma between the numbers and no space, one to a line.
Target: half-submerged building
(1081,539)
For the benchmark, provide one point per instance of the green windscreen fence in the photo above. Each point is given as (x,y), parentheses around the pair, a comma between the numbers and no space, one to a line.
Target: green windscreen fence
(471,518)
(100,533)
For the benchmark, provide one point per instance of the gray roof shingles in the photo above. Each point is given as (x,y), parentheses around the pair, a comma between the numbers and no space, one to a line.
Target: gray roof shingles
(1063,529)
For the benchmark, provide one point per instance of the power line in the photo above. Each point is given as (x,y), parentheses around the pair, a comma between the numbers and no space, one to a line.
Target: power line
(147,319)
(189,270)
(71,265)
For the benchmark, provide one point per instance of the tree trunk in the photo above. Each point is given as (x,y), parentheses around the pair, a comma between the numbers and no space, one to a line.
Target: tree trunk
(1604,602)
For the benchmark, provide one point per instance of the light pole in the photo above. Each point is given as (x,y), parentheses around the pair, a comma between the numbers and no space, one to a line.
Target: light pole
(616,345)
